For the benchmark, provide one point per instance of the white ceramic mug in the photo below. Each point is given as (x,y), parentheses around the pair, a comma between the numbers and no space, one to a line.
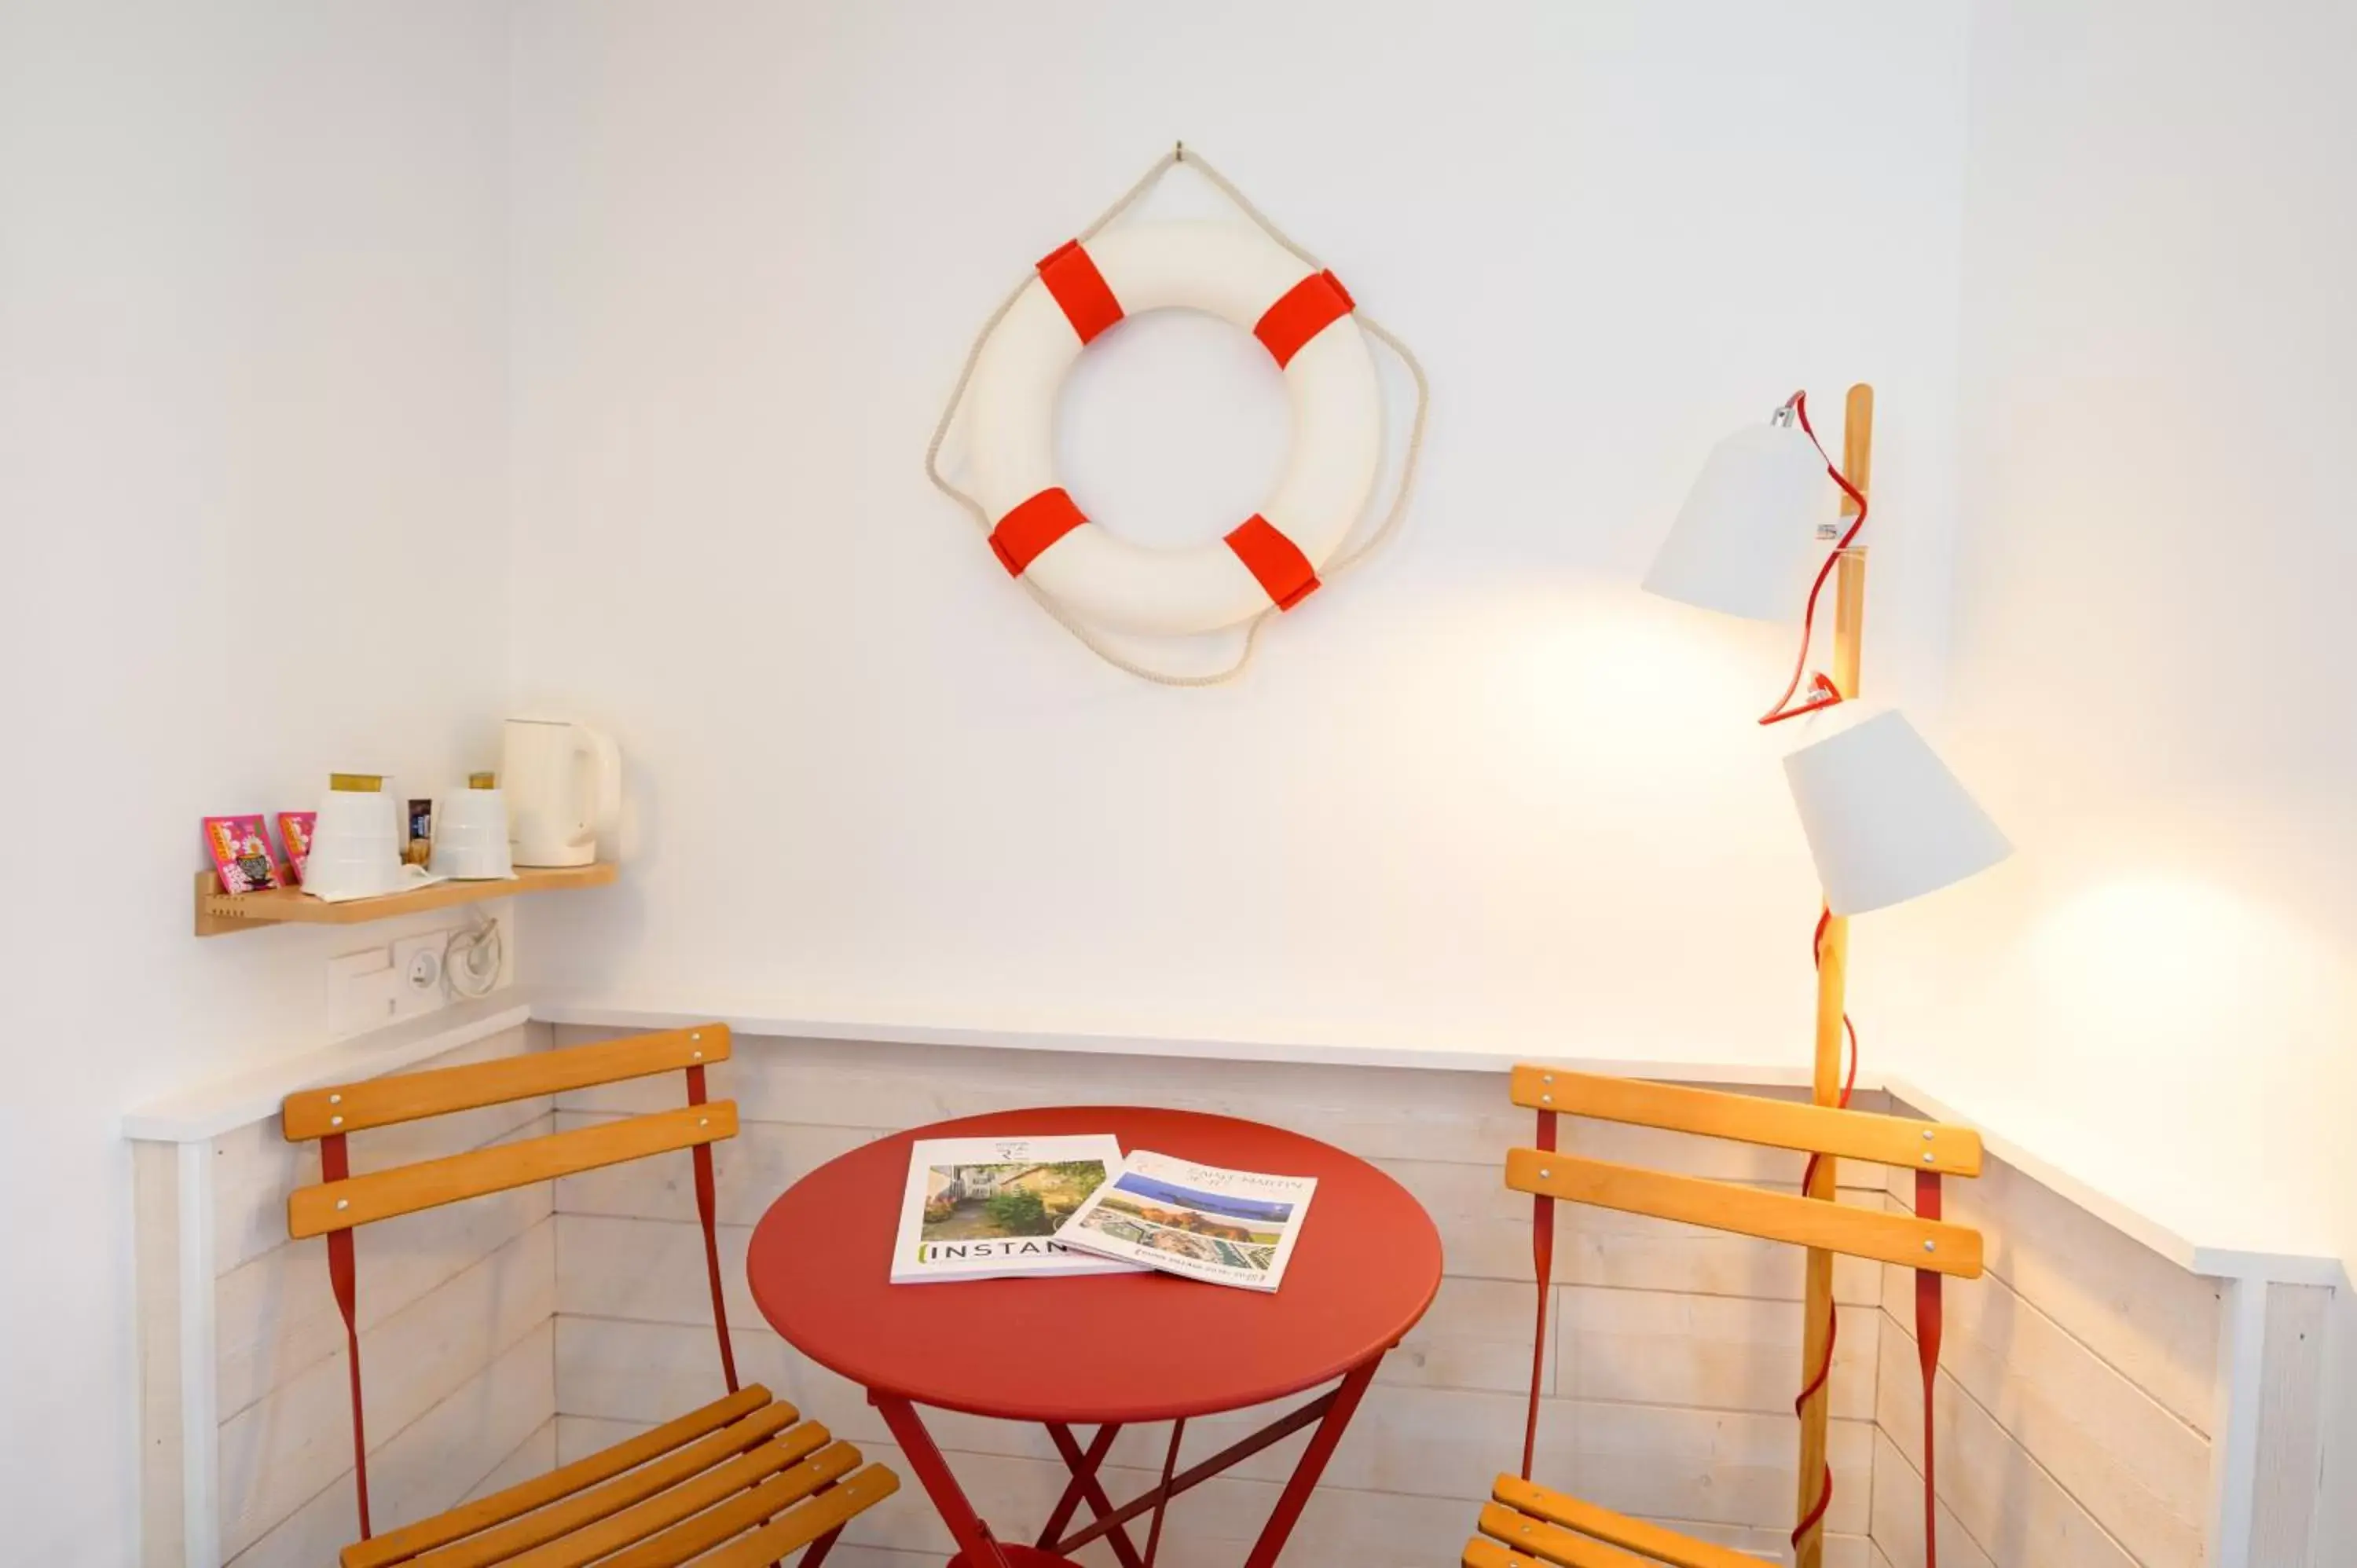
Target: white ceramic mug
(355,846)
(470,835)
(561,780)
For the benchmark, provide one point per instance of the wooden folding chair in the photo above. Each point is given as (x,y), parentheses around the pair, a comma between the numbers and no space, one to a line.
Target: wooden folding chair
(738,1482)
(1528,1526)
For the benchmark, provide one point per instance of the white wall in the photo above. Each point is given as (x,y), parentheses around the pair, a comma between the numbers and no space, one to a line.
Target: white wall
(251,345)
(1483,792)
(2153,685)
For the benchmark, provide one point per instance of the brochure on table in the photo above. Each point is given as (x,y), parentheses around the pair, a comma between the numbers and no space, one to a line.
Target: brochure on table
(1231,1227)
(979,1208)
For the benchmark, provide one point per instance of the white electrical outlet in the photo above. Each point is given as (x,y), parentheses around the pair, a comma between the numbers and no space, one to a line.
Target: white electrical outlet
(418,987)
(359,992)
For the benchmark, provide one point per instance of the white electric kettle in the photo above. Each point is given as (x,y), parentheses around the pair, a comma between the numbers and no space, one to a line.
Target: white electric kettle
(561,780)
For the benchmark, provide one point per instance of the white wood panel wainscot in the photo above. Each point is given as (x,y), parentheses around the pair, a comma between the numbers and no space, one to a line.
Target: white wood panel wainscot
(2112,1394)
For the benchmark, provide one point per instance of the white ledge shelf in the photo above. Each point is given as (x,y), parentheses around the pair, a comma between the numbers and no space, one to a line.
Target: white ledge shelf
(758,1020)
(2259,1260)
(207,1110)
(254,1094)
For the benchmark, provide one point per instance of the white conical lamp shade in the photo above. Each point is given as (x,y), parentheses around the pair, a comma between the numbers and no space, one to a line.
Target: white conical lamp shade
(1886,820)
(1745,542)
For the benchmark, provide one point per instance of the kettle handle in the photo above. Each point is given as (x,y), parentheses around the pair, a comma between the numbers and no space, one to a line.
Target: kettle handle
(597,748)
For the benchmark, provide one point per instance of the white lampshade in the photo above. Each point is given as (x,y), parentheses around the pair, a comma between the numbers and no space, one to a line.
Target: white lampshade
(1745,542)
(1886,820)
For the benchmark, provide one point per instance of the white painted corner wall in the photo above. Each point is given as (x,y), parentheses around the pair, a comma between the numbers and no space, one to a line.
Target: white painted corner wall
(2152,675)
(1467,794)
(620,328)
(2152,679)
(253,490)
(2087,250)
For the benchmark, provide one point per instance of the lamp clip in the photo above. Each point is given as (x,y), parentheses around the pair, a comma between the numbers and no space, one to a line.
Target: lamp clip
(1823,694)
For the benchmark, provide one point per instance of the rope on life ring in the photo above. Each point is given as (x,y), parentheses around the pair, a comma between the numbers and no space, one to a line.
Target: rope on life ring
(1254,542)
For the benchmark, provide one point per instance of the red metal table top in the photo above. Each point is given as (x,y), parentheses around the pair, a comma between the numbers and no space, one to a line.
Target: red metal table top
(1105,1348)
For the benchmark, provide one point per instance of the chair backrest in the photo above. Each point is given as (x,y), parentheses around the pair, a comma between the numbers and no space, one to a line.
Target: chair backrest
(341,1202)
(1920,1241)
(1819,1130)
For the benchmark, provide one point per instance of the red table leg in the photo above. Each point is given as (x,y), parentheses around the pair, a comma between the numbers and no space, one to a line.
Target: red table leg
(1331,1414)
(1203,1470)
(1296,1497)
(1086,1486)
(976,1549)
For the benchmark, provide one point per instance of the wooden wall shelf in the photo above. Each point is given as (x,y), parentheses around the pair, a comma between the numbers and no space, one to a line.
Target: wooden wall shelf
(219,914)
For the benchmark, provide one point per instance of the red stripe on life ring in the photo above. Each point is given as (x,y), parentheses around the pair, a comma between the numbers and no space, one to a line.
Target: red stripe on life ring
(1307,308)
(1030,526)
(1285,573)
(1071,275)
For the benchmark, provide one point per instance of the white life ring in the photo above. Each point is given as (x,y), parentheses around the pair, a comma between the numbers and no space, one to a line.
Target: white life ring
(1273,558)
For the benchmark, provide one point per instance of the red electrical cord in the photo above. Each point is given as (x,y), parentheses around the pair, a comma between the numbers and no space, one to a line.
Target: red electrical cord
(1823,693)
(1833,1320)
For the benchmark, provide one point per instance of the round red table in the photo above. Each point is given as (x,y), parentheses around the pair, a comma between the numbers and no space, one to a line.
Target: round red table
(1065,1352)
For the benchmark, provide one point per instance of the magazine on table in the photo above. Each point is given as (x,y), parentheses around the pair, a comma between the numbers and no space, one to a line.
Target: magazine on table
(981,1208)
(1232,1228)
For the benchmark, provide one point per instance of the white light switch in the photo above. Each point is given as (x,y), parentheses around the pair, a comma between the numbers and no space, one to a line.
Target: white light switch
(359,992)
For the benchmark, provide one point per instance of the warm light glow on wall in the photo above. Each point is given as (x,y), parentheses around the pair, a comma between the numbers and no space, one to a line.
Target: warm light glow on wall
(2176,1002)
(2162,959)
(1641,675)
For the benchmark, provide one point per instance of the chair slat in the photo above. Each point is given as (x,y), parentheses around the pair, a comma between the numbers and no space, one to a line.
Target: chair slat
(1552,1543)
(570,1518)
(773,1496)
(483,1513)
(1771,1216)
(1650,1540)
(1483,1553)
(808,1523)
(405,1097)
(684,1501)
(357,1200)
(1750,1119)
